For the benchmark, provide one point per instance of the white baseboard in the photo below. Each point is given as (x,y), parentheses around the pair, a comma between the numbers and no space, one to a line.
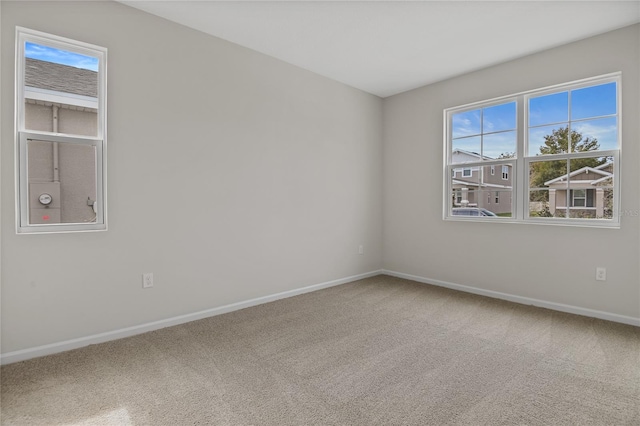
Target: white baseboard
(520,299)
(53,348)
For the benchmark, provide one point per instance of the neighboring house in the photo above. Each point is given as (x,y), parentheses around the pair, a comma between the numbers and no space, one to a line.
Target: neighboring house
(589,192)
(73,90)
(61,99)
(486,187)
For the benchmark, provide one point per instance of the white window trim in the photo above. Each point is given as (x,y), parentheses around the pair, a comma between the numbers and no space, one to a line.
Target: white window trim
(520,214)
(574,198)
(22,135)
(505,175)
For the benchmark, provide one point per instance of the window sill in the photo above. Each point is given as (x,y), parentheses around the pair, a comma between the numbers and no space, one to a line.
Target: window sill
(588,223)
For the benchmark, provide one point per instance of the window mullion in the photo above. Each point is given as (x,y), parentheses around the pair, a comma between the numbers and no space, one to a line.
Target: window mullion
(521,194)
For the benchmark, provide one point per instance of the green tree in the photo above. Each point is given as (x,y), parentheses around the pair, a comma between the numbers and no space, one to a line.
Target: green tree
(557,143)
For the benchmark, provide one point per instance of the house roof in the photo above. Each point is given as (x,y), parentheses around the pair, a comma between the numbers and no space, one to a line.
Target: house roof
(596,170)
(602,179)
(472,154)
(60,78)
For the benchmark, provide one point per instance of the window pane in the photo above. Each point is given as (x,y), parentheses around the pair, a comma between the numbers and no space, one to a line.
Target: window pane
(497,190)
(548,188)
(539,203)
(470,176)
(499,117)
(590,168)
(595,134)
(62,182)
(543,174)
(466,123)
(607,202)
(498,202)
(591,188)
(548,140)
(549,109)
(60,90)
(593,101)
(465,150)
(465,189)
(499,145)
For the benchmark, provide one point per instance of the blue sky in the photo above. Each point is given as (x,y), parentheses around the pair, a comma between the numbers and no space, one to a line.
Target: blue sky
(546,113)
(500,119)
(58,56)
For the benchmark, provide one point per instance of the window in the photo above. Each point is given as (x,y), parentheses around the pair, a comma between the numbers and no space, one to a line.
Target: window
(466,172)
(582,198)
(558,149)
(60,134)
(458,197)
(578,198)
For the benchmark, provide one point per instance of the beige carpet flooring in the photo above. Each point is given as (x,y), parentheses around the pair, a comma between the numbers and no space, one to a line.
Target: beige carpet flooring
(380,351)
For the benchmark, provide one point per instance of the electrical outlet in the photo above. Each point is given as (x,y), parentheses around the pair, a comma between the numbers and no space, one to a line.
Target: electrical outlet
(601,274)
(147,280)
(360,249)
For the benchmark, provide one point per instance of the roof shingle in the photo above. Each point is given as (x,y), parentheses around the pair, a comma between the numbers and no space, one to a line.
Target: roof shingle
(61,78)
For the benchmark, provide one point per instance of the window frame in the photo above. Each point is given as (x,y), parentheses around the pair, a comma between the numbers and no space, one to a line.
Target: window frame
(23,135)
(505,174)
(521,164)
(574,198)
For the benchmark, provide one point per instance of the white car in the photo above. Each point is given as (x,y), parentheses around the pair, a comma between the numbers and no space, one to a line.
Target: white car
(472,211)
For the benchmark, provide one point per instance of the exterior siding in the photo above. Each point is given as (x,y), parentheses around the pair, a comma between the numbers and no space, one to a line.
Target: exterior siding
(76,163)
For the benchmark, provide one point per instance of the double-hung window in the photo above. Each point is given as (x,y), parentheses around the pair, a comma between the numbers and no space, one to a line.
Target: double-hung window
(60,134)
(558,150)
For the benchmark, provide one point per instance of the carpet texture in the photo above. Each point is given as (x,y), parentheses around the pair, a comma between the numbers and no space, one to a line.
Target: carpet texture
(379,351)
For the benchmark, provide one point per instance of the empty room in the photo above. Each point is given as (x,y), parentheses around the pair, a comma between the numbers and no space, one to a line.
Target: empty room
(320,213)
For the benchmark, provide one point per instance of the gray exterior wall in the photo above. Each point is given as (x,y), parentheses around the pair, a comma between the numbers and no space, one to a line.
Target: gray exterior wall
(478,192)
(77,164)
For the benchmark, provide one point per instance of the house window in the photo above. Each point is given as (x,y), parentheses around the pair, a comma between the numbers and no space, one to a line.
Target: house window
(484,136)
(466,172)
(582,198)
(566,158)
(60,134)
(578,198)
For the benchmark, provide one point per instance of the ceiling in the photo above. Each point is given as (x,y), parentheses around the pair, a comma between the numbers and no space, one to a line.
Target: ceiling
(388,47)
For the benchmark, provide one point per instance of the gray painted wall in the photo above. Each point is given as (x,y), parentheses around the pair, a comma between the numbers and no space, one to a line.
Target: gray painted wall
(554,264)
(231,175)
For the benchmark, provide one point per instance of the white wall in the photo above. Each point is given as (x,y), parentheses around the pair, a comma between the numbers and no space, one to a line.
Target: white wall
(549,263)
(231,176)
